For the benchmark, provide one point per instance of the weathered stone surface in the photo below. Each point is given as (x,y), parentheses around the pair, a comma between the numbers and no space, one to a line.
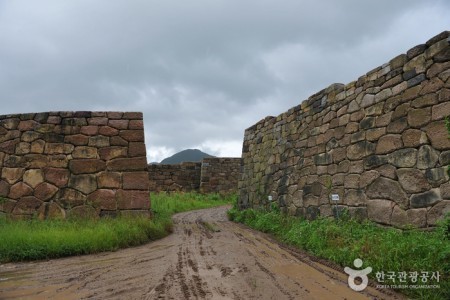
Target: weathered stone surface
(57,176)
(403,158)
(360,150)
(86,166)
(437,212)
(397,126)
(355,197)
(436,176)
(19,190)
(12,175)
(37,147)
(85,152)
(77,139)
(380,211)
(109,180)
(384,188)
(399,217)
(45,191)
(108,131)
(50,211)
(136,149)
(440,111)
(102,199)
(33,177)
(388,143)
(427,157)
(425,199)
(413,138)
(109,153)
(99,141)
(135,181)
(419,117)
(413,180)
(351,181)
(375,134)
(127,164)
(417,217)
(130,199)
(438,135)
(69,198)
(27,205)
(445,190)
(367,178)
(374,161)
(83,183)
(82,212)
(118,124)
(7,205)
(4,188)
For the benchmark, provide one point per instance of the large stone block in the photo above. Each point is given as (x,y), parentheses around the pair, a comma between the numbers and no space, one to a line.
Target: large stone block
(12,175)
(389,143)
(112,152)
(127,164)
(33,177)
(413,180)
(27,205)
(50,211)
(109,180)
(438,212)
(103,199)
(425,199)
(427,157)
(413,138)
(360,150)
(86,166)
(130,199)
(69,198)
(384,188)
(380,211)
(135,180)
(57,176)
(86,183)
(438,135)
(19,190)
(85,152)
(403,158)
(45,191)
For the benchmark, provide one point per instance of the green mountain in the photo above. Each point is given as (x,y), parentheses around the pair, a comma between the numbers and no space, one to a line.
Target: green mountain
(184,156)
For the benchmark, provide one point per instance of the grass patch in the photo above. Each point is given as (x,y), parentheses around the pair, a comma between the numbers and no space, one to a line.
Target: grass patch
(383,249)
(34,239)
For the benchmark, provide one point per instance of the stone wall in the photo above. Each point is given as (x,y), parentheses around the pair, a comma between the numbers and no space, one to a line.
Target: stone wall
(379,142)
(220,175)
(184,177)
(212,175)
(63,164)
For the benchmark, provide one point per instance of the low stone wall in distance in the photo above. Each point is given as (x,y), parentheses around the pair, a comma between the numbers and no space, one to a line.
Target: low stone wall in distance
(184,177)
(220,175)
(63,164)
(212,175)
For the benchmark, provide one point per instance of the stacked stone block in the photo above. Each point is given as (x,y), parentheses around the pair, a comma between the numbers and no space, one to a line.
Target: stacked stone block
(80,164)
(184,177)
(220,175)
(379,142)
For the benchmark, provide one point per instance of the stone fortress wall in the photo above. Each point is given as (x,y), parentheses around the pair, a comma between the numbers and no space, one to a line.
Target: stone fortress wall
(212,175)
(69,164)
(379,142)
(220,175)
(184,177)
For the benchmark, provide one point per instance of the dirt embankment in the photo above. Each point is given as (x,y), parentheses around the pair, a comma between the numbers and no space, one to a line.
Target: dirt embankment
(207,257)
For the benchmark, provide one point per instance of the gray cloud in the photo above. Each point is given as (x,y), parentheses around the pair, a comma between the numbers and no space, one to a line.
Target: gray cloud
(201,71)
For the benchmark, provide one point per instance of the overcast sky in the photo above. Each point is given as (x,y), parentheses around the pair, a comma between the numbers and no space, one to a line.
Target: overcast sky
(201,71)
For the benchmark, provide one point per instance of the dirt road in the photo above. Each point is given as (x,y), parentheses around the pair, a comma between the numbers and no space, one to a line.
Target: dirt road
(207,257)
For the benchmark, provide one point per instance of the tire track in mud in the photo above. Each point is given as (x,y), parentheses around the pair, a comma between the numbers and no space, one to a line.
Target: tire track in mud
(206,257)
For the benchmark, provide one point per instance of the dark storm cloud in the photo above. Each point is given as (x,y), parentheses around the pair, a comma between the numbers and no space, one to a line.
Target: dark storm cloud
(203,70)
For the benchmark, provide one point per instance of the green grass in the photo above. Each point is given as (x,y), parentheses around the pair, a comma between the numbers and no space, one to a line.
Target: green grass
(34,239)
(383,249)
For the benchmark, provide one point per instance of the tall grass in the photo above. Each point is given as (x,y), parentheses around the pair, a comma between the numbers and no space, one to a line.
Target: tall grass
(34,239)
(383,249)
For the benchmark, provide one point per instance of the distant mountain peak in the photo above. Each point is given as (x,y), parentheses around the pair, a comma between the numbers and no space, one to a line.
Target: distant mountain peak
(191,155)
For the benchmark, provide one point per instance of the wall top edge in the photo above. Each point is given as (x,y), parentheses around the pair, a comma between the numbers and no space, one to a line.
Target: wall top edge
(75,114)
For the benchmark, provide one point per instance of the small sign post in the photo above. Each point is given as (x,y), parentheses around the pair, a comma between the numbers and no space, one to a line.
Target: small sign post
(335,198)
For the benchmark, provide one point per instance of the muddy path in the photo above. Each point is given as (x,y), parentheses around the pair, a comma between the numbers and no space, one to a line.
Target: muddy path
(207,257)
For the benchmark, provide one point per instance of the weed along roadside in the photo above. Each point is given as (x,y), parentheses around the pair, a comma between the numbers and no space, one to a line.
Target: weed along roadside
(36,239)
(412,261)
